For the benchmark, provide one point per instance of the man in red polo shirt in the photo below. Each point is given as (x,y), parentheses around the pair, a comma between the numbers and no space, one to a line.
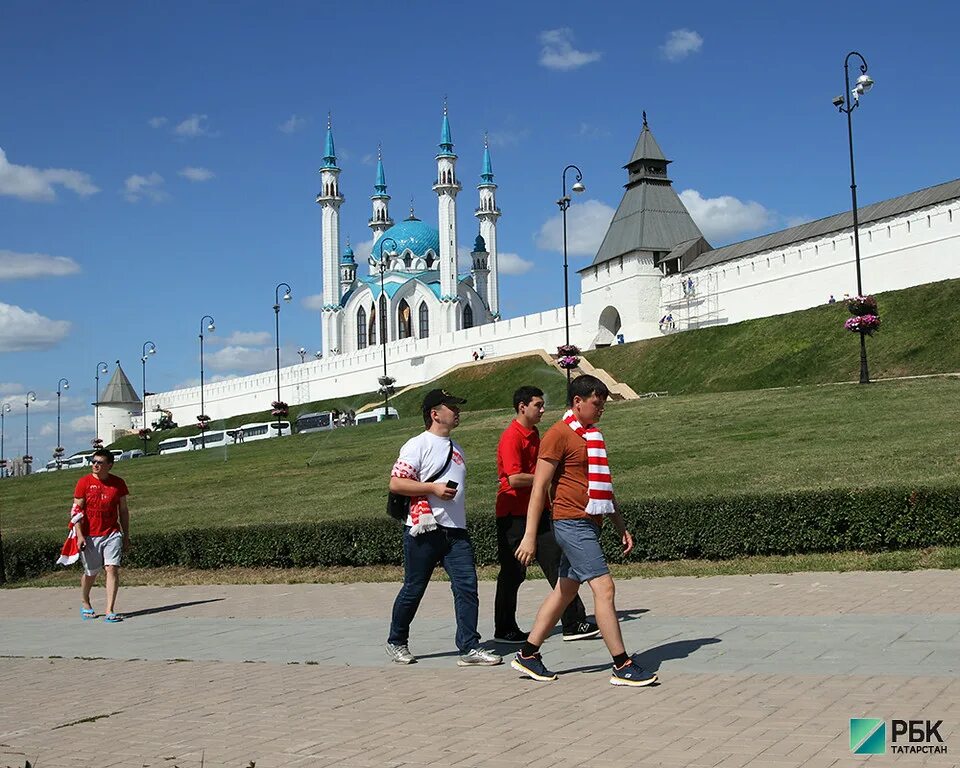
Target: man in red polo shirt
(104,532)
(516,462)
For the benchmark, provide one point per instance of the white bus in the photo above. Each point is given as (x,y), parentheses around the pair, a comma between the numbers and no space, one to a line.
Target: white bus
(210,440)
(376,415)
(173,445)
(315,422)
(261,430)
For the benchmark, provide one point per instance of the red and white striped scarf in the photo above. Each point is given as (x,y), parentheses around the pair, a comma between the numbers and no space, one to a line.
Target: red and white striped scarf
(599,481)
(421,516)
(70,552)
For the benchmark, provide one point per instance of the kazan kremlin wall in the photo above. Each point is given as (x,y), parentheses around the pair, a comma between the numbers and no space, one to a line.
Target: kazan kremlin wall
(915,247)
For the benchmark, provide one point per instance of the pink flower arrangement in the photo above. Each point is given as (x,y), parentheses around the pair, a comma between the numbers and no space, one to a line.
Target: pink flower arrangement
(867,324)
(27,459)
(280,408)
(58,452)
(568,356)
(144,434)
(3,463)
(862,305)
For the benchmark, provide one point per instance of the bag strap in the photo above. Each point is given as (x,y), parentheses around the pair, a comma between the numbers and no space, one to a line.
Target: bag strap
(445,465)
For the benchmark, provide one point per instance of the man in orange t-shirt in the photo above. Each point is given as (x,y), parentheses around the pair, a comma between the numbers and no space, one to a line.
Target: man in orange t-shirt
(582,496)
(516,460)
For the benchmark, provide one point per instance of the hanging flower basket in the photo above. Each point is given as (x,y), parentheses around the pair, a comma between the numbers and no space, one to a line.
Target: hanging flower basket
(862,305)
(58,452)
(280,408)
(867,324)
(203,426)
(144,433)
(568,362)
(203,417)
(3,463)
(96,442)
(27,459)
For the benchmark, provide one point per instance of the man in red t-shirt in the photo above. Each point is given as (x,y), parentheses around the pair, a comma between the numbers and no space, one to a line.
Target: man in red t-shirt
(104,532)
(516,462)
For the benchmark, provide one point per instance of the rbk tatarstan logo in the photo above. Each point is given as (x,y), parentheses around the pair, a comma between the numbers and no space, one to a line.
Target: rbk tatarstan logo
(868,736)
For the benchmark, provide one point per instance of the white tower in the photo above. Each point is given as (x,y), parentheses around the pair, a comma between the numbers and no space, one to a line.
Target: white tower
(380,221)
(447,188)
(488,213)
(348,269)
(480,268)
(329,199)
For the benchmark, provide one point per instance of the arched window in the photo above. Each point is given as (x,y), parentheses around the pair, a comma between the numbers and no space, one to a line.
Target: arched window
(384,338)
(361,328)
(372,326)
(424,320)
(404,329)
(467,317)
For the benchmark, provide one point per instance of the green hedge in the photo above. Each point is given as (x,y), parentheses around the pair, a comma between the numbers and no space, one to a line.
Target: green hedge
(712,528)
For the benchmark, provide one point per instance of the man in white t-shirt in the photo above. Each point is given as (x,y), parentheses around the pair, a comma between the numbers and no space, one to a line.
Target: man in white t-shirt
(435,531)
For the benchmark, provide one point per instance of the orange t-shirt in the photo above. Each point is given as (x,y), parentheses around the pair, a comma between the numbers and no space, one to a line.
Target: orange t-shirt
(563,445)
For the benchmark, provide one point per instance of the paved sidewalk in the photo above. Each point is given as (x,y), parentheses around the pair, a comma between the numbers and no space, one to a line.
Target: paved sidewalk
(756,671)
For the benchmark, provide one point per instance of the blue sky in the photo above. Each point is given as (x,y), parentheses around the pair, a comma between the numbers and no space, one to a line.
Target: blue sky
(160,160)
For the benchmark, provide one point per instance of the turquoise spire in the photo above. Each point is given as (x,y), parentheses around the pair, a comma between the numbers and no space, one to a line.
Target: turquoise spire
(381,185)
(487,174)
(330,154)
(446,140)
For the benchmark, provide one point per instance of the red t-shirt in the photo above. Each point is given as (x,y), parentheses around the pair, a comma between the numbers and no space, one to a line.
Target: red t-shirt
(516,455)
(102,503)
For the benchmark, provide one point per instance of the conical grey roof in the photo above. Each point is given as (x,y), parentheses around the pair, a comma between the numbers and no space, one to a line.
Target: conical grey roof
(119,390)
(651,216)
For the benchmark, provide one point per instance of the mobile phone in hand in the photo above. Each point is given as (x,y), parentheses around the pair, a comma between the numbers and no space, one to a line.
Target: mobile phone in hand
(452,484)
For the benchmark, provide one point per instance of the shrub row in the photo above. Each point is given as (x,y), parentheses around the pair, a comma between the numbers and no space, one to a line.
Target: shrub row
(713,528)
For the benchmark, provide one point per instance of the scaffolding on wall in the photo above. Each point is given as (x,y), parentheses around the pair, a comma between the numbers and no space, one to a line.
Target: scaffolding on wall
(689,301)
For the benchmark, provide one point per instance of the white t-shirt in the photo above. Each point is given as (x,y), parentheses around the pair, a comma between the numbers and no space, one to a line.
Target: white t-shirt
(423,456)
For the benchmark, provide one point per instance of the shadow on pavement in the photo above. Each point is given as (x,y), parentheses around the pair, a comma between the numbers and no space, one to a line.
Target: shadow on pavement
(654,657)
(172,607)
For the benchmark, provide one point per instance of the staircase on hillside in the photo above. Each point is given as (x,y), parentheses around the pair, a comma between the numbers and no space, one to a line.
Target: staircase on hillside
(618,390)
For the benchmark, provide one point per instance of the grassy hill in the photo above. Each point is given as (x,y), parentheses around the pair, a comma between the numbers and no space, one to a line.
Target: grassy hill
(920,335)
(841,436)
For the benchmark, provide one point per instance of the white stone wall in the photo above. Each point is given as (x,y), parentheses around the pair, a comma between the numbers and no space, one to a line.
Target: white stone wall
(410,361)
(629,284)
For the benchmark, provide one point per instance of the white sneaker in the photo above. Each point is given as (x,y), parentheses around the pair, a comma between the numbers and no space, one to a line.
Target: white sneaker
(400,654)
(479,657)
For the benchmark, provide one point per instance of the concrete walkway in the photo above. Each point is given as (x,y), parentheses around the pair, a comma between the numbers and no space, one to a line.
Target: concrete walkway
(755,670)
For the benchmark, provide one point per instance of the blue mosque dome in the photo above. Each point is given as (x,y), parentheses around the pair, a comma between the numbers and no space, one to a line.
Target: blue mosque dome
(410,234)
(348,257)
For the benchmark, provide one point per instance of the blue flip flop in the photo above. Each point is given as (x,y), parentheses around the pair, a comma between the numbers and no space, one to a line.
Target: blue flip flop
(87,613)
(113,618)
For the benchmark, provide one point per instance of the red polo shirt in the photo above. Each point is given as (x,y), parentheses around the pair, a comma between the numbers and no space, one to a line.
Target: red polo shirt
(516,455)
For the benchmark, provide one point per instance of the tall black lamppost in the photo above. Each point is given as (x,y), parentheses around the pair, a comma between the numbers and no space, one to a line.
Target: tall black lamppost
(386,382)
(211,326)
(5,408)
(564,203)
(276,311)
(30,397)
(149,348)
(58,452)
(101,368)
(864,84)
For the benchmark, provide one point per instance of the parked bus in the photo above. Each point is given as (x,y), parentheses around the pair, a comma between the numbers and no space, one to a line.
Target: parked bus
(261,430)
(315,422)
(173,445)
(210,440)
(376,415)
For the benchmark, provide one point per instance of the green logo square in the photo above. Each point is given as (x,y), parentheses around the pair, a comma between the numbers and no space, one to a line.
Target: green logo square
(868,736)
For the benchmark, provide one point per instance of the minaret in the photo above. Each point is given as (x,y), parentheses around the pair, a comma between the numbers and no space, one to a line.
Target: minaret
(447,188)
(380,221)
(480,270)
(488,213)
(348,269)
(329,199)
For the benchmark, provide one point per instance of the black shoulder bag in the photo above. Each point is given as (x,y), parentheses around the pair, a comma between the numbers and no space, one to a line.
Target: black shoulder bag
(398,507)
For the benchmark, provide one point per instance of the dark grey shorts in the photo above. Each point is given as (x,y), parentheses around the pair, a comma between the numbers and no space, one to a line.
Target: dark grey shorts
(582,558)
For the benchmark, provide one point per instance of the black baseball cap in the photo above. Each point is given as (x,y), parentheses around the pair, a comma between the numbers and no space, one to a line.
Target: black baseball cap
(436,397)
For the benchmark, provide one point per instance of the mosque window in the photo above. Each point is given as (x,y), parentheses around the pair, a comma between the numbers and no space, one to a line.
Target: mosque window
(383,319)
(372,326)
(361,328)
(404,331)
(424,313)
(467,317)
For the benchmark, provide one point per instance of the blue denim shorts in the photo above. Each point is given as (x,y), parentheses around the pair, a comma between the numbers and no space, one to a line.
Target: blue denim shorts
(582,557)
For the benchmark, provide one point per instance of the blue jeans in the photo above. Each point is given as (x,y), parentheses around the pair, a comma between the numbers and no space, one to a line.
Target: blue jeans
(451,548)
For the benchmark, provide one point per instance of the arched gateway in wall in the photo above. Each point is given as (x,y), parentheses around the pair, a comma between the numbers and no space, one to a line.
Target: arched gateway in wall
(608,328)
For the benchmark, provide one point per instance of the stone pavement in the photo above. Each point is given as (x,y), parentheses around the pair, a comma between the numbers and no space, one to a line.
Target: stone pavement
(756,671)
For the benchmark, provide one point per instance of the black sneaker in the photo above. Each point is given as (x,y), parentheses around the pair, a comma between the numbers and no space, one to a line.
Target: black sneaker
(533,668)
(513,637)
(585,630)
(632,674)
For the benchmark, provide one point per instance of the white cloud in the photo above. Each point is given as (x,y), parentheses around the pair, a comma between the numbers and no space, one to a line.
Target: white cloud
(23,266)
(22,329)
(513,264)
(197,174)
(242,358)
(37,184)
(507,137)
(587,223)
(11,388)
(558,51)
(362,251)
(368,159)
(245,338)
(48,429)
(591,131)
(313,302)
(680,44)
(194,126)
(157,122)
(292,124)
(137,186)
(722,218)
(82,424)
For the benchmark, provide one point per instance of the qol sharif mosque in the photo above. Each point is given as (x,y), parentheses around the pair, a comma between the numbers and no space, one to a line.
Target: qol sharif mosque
(423,292)
(653,274)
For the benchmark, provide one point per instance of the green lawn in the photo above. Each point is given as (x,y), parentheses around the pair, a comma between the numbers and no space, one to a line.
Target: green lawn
(684,446)
(920,335)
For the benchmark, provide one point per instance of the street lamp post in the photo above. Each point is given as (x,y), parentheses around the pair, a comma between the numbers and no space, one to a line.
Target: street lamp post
(31,397)
(145,352)
(287,296)
(101,368)
(211,326)
(564,203)
(843,103)
(5,408)
(58,452)
(386,382)
(302,352)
